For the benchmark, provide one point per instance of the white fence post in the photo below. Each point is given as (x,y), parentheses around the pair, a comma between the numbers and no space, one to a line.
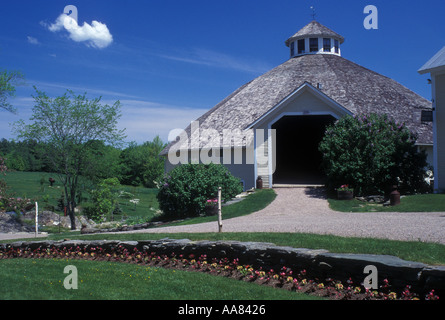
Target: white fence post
(219,211)
(37,218)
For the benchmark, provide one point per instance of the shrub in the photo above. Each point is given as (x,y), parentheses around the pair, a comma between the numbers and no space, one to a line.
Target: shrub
(104,199)
(185,190)
(371,153)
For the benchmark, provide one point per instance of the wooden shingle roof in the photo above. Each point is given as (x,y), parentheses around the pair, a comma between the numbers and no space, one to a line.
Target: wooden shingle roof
(352,86)
(314,29)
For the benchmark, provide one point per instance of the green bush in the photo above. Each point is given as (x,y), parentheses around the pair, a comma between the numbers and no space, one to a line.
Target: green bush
(184,191)
(104,199)
(371,153)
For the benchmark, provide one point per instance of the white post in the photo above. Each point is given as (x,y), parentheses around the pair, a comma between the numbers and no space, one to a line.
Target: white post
(219,210)
(37,218)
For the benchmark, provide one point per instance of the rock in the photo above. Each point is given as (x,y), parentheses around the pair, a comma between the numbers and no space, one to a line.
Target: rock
(11,223)
(372,199)
(320,264)
(49,218)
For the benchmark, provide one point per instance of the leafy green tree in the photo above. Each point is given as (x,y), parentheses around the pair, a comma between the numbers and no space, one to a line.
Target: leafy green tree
(154,166)
(65,125)
(106,159)
(141,164)
(131,162)
(31,152)
(8,81)
(371,153)
(15,162)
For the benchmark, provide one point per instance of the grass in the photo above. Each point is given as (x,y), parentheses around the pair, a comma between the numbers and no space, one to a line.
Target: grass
(42,279)
(35,185)
(428,253)
(252,203)
(412,203)
(147,206)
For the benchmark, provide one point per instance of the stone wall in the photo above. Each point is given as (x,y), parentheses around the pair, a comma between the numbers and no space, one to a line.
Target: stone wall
(319,264)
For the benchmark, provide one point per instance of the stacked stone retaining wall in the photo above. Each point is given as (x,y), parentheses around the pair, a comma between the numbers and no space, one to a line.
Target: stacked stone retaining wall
(319,264)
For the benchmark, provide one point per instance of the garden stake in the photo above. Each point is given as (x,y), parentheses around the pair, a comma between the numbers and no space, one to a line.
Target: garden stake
(219,210)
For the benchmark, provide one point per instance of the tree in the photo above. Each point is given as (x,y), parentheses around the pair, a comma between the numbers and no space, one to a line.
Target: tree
(142,164)
(106,160)
(30,152)
(66,125)
(371,153)
(154,167)
(8,82)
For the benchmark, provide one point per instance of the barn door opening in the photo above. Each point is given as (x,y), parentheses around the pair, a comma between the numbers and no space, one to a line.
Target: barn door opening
(298,160)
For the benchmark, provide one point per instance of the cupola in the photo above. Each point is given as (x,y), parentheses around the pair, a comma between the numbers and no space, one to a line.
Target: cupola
(314,38)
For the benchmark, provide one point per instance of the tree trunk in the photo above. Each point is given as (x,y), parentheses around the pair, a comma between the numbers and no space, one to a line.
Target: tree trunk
(71,215)
(70,204)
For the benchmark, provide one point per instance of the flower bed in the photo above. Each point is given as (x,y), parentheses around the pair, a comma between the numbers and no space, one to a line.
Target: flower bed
(285,278)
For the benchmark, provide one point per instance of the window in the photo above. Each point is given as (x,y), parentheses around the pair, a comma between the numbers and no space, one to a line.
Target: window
(313,44)
(336,46)
(301,48)
(292,49)
(326,45)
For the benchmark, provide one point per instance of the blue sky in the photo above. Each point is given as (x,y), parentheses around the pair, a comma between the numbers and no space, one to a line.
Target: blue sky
(170,61)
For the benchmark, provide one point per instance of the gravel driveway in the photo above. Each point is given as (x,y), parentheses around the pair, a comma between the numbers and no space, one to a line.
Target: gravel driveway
(306,210)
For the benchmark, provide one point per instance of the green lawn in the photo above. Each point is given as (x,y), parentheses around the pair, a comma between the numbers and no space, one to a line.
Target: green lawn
(35,185)
(43,279)
(428,253)
(413,203)
(252,203)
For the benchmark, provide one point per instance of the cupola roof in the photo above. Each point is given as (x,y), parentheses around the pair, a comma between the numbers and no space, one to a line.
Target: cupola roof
(316,30)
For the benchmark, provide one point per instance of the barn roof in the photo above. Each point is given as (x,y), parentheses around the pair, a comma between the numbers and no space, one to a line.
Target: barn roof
(352,86)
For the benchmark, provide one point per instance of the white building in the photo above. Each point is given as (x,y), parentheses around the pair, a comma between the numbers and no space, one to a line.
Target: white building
(436,67)
(296,101)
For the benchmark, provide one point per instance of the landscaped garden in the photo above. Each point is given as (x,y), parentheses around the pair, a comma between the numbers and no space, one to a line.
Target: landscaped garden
(37,273)
(36,186)
(182,197)
(428,253)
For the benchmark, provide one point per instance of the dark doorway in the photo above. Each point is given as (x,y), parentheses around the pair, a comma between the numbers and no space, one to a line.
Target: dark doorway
(297,156)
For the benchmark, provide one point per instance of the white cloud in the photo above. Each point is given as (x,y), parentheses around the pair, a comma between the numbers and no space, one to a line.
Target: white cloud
(33,40)
(95,35)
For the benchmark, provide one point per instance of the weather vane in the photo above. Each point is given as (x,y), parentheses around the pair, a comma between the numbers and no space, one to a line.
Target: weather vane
(313,13)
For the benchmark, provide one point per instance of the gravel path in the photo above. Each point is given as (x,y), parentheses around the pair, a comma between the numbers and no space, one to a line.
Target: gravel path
(21,235)
(306,210)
